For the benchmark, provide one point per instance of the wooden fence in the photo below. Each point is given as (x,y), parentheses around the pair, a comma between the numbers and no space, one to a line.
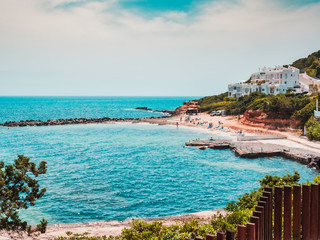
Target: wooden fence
(285,214)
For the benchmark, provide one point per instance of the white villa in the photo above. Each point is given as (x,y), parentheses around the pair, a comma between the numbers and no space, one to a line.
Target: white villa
(309,83)
(269,81)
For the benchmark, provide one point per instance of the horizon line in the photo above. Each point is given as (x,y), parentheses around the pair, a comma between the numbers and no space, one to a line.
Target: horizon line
(101,96)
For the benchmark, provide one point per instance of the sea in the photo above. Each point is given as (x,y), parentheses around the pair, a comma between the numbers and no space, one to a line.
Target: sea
(122,171)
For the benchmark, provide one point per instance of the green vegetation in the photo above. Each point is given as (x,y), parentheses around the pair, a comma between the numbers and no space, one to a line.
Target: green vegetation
(215,102)
(212,99)
(19,190)
(237,213)
(313,129)
(280,105)
(289,105)
(154,231)
(310,64)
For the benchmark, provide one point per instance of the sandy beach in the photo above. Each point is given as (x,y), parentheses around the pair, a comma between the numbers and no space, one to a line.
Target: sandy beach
(231,126)
(107,228)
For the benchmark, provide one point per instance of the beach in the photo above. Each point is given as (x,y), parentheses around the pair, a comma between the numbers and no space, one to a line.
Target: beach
(107,228)
(231,127)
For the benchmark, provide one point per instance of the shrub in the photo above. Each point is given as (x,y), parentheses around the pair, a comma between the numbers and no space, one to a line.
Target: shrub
(313,129)
(19,189)
(42,227)
(305,113)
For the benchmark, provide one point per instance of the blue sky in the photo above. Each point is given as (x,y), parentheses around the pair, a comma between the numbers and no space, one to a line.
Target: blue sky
(148,47)
(174,5)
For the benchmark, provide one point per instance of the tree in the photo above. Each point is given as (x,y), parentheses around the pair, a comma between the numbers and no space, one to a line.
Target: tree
(18,190)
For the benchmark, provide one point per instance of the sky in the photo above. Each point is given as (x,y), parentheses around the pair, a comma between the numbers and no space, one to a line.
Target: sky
(148,47)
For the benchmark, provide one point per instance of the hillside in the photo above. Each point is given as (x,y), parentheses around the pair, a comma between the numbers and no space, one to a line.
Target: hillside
(310,64)
(282,110)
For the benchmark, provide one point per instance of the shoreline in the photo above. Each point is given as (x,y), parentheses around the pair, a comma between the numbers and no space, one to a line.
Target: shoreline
(231,126)
(107,228)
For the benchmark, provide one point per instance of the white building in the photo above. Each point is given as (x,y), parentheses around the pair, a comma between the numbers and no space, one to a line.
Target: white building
(308,83)
(269,81)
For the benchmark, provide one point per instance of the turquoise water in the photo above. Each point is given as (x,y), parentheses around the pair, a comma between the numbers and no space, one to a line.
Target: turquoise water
(44,108)
(120,171)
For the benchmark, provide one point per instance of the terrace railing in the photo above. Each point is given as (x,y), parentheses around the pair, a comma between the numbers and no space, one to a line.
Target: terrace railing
(283,214)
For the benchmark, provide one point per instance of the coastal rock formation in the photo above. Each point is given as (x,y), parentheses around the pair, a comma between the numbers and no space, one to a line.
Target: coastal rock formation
(258,118)
(143,108)
(74,121)
(160,111)
(186,105)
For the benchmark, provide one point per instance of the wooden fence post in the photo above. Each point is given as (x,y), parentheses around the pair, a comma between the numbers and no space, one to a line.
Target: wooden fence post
(259,214)
(210,237)
(221,236)
(266,206)
(314,212)
(251,229)
(256,222)
(319,213)
(268,193)
(264,203)
(230,234)
(277,213)
(287,212)
(261,209)
(305,212)
(296,212)
(242,235)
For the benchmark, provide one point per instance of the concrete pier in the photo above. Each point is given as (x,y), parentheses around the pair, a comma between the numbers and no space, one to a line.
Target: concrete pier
(255,149)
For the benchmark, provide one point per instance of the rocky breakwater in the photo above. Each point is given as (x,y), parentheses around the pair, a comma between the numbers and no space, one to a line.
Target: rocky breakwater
(70,121)
(255,149)
(170,113)
(183,109)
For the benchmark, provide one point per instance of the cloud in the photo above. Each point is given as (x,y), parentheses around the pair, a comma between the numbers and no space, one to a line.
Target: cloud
(109,50)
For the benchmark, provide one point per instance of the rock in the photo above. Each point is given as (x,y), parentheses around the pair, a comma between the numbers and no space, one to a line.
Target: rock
(143,108)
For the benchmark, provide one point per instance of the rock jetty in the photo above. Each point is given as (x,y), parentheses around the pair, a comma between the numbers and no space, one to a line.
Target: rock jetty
(70,121)
(169,112)
(254,149)
(143,108)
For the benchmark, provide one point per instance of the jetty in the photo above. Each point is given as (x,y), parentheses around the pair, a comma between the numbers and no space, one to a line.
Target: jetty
(255,149)
(70,121)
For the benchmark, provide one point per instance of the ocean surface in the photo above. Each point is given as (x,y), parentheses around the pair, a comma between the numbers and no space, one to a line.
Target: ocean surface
(120,171)
(44,108)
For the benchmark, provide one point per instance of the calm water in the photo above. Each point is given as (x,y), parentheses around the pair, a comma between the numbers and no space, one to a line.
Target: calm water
(120,171)
(44,108)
